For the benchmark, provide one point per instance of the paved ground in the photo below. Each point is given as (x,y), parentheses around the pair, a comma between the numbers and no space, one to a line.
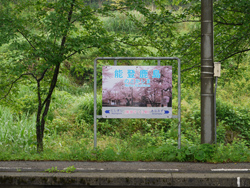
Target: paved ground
(124,174)
(39,166)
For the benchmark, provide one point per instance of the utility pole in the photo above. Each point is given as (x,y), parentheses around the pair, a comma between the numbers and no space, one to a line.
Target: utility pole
(207,73)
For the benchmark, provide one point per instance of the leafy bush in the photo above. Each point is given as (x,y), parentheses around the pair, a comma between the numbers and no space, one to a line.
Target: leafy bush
(234,118)
(84,108)
(121,23)
(238,151)
(60,125)
(65,84)
(83,73)
(25,100)
(221,134)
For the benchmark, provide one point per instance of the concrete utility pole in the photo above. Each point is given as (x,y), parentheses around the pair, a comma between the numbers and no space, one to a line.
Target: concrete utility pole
(207,73)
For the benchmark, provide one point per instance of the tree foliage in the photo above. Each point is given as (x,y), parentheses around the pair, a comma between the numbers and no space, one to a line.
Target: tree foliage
(40,35)
(231,35)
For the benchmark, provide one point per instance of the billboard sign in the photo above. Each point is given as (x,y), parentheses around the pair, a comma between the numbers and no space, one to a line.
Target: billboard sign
(137,92)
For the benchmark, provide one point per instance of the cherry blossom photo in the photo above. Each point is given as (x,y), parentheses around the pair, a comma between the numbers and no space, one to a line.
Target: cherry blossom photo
(137,86)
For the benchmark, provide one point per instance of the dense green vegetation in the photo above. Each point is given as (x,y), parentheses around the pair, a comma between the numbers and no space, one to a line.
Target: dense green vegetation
(142,29)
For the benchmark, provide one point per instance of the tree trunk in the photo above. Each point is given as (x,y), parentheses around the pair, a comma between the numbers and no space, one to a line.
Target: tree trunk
(39,136)
(41,122)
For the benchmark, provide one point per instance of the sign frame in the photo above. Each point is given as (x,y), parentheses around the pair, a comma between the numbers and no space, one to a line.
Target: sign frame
(115,59)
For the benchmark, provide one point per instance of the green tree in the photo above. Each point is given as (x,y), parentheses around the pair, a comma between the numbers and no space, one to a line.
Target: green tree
(39,35)
(231,35)
(155,32)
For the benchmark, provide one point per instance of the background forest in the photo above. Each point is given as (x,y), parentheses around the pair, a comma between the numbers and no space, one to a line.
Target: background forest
(47,52)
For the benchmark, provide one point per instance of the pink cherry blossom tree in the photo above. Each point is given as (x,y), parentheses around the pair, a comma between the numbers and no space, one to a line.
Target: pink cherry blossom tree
(149,86)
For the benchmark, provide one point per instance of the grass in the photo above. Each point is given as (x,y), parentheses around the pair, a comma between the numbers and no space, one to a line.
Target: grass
(69,136)
(69,130)
(16,133)
(114,149)
(68,169)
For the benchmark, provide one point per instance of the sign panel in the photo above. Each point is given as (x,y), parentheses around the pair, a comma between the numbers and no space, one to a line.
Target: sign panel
(137,92)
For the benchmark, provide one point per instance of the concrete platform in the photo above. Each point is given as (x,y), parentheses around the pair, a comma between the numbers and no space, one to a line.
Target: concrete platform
(31,174)
(95,179)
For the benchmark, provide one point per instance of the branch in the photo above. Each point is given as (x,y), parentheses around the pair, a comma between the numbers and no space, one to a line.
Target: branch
(71,55)
(195,65)
(42,76)
(46,102)
(52,85)
(183,21)
(232,38)
(77,52)
(74,21)
(234,54)
(192,57)
(191,44)
(229,46)
(69,20)
(26,39)
(236,11)
(229,23)
(222,18)
(226,23)
(29,42)
(11,85)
